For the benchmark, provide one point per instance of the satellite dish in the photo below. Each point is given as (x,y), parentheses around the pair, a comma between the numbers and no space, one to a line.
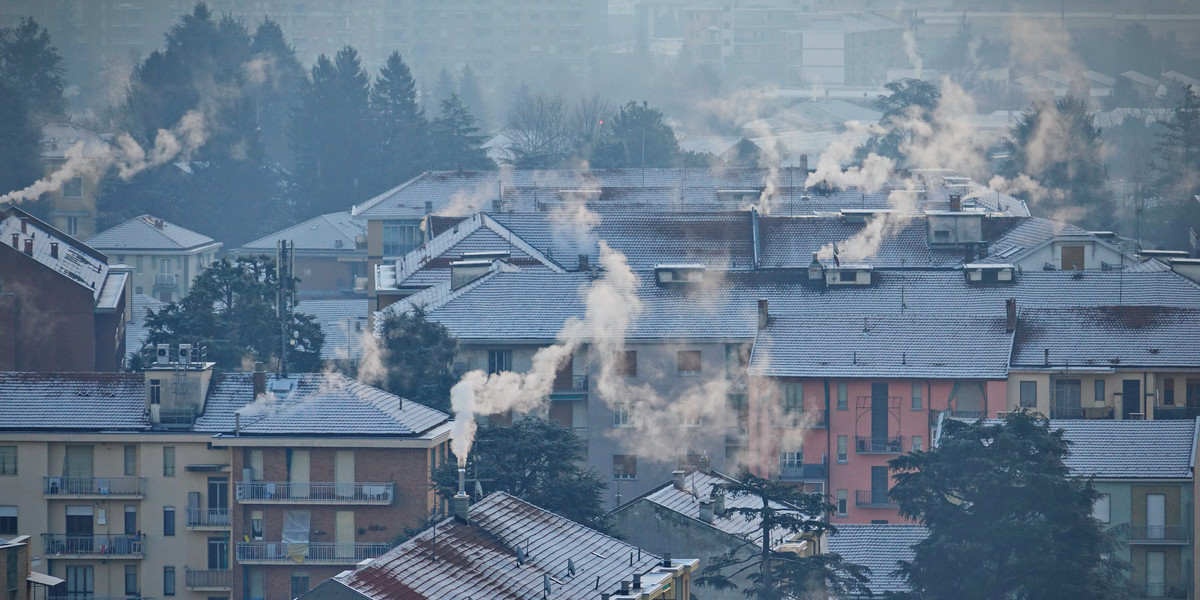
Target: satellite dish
(478,490)
(570,567)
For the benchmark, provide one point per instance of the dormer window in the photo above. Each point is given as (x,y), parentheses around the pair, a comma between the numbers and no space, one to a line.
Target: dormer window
(678,274)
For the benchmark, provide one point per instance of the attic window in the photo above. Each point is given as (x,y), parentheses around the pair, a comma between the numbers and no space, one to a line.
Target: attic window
(848,276)
(941,235)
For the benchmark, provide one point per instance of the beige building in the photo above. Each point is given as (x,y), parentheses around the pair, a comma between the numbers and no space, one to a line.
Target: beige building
(140,484)
(165,257)
(73,205)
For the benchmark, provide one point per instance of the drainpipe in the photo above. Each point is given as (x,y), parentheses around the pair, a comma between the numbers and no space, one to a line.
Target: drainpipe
(829,441)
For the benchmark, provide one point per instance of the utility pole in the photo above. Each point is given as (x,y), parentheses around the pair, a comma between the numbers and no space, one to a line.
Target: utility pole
(285,298)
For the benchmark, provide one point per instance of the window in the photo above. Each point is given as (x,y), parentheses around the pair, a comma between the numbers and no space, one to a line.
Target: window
(1099,391)
(131,586)
(1028,394)
(626,363)
(918,443)
(842,444)
(169,581)
(791,460)
(791,397)
(689,362)
(399,238)
(139,266)
(1193,392)
(622,416)
(256,525)
(130,461)
(131,527)
(737,358)
(73,188)
(155,391)
(1168,392)
(168,461)
(841,402)
(499,361)
(8,520)
(624,466)
(8,460)
(168,520)
(72,225)
(1101,509)
(299,583)
(841,502)
(917,400)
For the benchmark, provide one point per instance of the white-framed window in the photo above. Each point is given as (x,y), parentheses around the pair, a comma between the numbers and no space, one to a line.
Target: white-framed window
(791,397)
(917,399)
(842,497)
(8,461)
(622,415)
(689,362)
(499,361)
(842,403)
(624,466)
(842,444)
(1028,394)
(399,238)
(918,443)
(791,460)
(73,188)
(8,520)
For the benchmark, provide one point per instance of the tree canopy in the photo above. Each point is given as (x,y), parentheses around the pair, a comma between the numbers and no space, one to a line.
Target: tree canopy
(399,122)
(419,358)
(455,142)
(30,95)
(537,461)
(773,575)
(910,101)
(1005,517)
(1177,173)
(230,311)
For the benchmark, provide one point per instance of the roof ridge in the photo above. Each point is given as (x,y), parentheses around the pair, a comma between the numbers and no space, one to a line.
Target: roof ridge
(359,209)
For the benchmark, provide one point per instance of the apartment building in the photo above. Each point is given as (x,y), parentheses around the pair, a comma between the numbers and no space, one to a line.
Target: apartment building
(55,288)
(165,257)
(181,482)
(73,205)
(329,254)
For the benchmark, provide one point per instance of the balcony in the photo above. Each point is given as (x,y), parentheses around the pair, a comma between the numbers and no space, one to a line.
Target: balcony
(1176,412)
(968,414)
(208,518)
(1155,534)
(175,418)
(94,487)
(575,385)
(208,580)
(319,553)
(102,546)
(737,436)
(164,280)
(877,445)
(811,419)
(805,472)
(283,492)
(873,499)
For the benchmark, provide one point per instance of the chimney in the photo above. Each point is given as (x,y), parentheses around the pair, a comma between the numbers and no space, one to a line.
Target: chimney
(667,560)
(637,581)
(24,225)
(1047,356)
(804,164)
(260,380)
(718,500)
(428,207)
(677,479)
(1010,313)
(624,588)
(762,313)
(583,263)
(706,511)
(955,202)
(17,241)
(29,246)
(816,271)
(462,502)
(53,249)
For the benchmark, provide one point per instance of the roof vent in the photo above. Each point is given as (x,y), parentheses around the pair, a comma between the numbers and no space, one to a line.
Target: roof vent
(53,249)
(16,243)
(428,207)
(29,246)
(337,243)
(583,263)
(706,510)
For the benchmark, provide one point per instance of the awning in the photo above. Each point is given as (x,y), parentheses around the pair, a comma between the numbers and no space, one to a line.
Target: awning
(44,579)
(208,468)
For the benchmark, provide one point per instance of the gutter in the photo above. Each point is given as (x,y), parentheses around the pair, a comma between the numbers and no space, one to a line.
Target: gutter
(754,235)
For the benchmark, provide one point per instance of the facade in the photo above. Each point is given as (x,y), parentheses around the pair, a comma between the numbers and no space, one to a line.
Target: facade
(177,482)
(62,307)
(503,547)
(165,257)
(330,255)
(73,205)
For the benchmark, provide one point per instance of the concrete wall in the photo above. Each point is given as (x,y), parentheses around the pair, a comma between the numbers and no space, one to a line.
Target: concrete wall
(185,266)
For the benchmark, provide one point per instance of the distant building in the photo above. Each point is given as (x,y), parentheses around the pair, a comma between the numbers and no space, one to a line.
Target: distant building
(62,306)
(330,254)
(165,257)
(504,547)
(16,564)
(73,205)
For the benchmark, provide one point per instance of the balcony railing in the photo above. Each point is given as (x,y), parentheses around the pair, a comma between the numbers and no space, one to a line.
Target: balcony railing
(1156,590)
(283,492)
(967,414)
(1176,412)
(78,487)
(877,445)
(1156,534)
(208,579)
(94,546)
(176,417)
(814,419)
(202,518)
(164,280)
(873,499)
(1066,412)
(578,383)
(737,436)
(319,552)
(802,472)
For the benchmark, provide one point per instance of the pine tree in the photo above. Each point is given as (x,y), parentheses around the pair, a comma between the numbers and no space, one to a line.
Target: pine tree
(399,122)
(637,136)
(472,97)
(274,76)
(455,139)
(31,65)
(20,138)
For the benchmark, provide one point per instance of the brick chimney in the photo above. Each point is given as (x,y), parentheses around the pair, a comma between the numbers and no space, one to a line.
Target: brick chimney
(260,380)
(1010,315)
(677,479)
(763,314)
(955,202)
(706,510)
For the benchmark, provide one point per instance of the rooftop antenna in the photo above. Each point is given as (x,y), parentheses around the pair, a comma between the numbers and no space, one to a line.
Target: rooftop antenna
(285,298)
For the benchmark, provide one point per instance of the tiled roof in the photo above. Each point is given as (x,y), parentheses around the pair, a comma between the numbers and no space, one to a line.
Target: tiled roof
(148,233)
(58,138)
(334,232)
(699,486)
(1108,337)
(879,547)
(342,320)
(318,404)
(893,344)
(73,401)
(76,261)
(789,242)
(479,560)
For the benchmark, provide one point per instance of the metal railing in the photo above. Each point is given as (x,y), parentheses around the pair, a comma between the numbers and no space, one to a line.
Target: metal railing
(814,419)
(1156,534)
(214,579)
(208,517)
(94,486)
(101,545)
(967,414)
(872,498)
(316,492)
(579,383)
(176,416)
(865,444)
(164,280)
(1066,412)
(1176,412)
(1156,590)
(316,552)
(804,471)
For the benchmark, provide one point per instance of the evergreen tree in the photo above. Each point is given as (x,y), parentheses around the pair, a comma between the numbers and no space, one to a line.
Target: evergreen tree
(637,136)
(420,358)
(1176,174)
(333,118)
(782,507)
(455,139)
(31,65)
(274,76)
(20,141)
(400,123)
(472,97)
(1005,518)
(909,99)
(444,88)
